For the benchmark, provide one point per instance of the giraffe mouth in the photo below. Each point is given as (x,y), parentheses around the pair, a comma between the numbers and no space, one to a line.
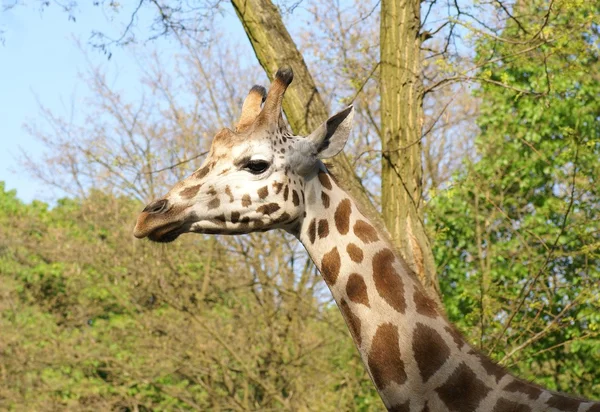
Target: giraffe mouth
(167,233)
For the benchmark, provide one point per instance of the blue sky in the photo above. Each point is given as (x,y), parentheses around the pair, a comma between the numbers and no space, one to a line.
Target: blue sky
(41,62)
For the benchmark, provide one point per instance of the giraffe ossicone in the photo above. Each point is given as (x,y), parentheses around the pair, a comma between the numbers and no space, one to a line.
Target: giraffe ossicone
(259,177)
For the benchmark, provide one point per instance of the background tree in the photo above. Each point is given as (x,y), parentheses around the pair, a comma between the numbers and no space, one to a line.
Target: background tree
(518,231)
(401,127)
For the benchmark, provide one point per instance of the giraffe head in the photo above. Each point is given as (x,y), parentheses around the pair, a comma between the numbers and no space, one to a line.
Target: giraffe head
(253,178)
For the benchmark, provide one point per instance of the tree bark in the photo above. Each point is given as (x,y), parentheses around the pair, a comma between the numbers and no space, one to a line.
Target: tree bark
(401,127)
(302,104)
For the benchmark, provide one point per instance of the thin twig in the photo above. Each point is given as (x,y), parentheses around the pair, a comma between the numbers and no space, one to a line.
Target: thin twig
(430,128)
(362,86)
(173,166)
(538,335)
(511,16)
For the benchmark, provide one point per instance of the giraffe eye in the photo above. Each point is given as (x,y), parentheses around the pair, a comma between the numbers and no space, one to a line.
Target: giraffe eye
(257,167)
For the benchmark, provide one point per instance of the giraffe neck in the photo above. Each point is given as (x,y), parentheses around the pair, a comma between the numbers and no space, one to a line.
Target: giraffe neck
(414,356)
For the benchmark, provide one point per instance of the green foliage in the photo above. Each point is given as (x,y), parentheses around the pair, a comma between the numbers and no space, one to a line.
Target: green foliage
(517,241)
(93,319)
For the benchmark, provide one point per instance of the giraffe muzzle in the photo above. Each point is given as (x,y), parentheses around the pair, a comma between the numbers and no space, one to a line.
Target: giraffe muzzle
(160,221)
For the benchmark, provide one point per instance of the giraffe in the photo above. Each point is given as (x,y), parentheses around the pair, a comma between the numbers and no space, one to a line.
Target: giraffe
(259,177)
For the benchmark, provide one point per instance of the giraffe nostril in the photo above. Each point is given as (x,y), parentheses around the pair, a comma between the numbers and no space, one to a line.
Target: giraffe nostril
(156,207)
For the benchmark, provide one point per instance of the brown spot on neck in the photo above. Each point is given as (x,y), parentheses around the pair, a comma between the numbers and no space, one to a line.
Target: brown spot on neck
(365,232)
(325,200)
(323,229)
(356,289)
(504,405)
(342,216)
(401,407)
(463,391)
(330,266)
(384,360)
(424,305)
(490,367)
(352,321)
(456,336)
(295,198)
(564,403)
(430,350)
(324,179)
(387,281)
(533,392)
(355,253)
(312,230)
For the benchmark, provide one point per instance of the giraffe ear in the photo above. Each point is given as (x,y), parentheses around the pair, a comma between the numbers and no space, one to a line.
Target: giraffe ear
(330,138)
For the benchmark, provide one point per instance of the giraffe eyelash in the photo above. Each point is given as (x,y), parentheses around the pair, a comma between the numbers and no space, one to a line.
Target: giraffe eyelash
(257,167)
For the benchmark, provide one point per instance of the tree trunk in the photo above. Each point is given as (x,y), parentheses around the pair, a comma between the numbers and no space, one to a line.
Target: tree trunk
(302,104)
(401,122)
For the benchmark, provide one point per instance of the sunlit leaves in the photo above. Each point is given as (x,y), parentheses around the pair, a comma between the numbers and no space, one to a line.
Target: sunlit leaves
(517,233)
